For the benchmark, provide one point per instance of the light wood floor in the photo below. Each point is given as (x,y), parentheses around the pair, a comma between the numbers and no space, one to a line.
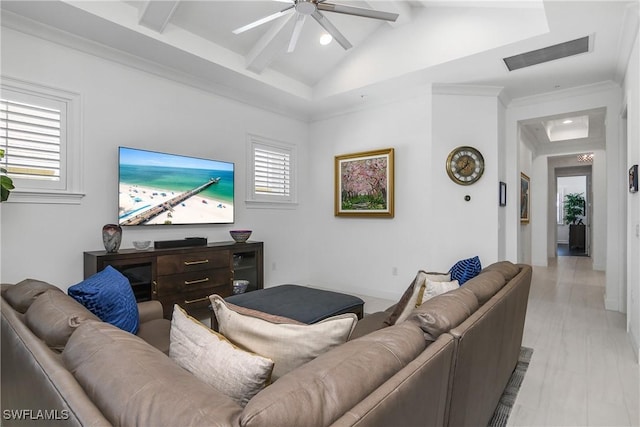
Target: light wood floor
(583,371)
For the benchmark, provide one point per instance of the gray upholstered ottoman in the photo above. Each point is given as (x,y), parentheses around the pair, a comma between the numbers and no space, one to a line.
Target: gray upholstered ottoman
(307,305)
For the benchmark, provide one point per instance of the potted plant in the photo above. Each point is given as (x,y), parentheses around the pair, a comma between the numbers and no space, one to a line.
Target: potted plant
(6,184)
(573,208)
(574,204)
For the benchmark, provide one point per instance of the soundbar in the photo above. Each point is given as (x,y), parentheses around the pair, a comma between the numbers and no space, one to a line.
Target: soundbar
(184,243)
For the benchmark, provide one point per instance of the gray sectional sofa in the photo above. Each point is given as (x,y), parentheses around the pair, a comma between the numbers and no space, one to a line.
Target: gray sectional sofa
(446,365)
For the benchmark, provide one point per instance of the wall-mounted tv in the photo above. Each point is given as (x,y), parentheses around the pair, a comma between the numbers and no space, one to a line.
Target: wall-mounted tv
(161,188)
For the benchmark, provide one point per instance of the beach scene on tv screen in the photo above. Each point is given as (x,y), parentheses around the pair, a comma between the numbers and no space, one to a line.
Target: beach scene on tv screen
(159,188)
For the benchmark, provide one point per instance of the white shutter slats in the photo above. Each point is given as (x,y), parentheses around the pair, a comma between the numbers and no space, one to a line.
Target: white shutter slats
(272,174)
(31,138)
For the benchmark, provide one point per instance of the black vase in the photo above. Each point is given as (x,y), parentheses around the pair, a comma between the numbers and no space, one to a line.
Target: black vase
(111,237)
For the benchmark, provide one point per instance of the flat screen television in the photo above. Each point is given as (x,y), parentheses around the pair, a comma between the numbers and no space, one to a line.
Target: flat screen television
(161,188)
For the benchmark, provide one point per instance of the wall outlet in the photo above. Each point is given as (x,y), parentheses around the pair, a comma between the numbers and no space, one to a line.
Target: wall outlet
(273,266)
(394,271)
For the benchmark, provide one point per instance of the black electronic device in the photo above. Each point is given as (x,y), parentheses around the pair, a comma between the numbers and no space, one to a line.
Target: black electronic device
(184,243)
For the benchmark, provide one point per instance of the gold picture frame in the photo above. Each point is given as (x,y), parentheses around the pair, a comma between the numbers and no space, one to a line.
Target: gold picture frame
(525,198)
(364,184)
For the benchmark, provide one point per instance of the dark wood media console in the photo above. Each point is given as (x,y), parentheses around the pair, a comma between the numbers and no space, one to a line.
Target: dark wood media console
(184,276)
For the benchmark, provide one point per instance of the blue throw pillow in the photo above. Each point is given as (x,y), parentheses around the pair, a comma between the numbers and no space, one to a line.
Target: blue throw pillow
(466,269)
(108,295)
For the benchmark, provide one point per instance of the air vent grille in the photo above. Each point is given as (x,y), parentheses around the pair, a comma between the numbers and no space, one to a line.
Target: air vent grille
(546,54)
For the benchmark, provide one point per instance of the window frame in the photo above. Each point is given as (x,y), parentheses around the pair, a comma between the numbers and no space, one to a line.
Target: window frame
(259,200)
(68,190)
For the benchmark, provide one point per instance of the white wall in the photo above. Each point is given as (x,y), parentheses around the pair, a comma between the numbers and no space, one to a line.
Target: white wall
(125,106)
(632,96)
(523,165)
(433,227)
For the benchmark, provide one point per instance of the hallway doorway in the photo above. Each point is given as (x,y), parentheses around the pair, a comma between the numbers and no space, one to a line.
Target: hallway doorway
(572,223)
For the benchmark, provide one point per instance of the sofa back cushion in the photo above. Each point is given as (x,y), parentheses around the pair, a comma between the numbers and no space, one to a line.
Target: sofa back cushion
(21,295)
(321,391)
(508,269)
(133,383)
(54,316)
(442,313)
(485,285)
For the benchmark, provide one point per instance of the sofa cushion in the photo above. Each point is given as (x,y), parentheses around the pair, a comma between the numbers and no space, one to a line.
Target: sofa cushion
(465,269)
(321,391)
(444,312)
(508,269)
(485,285)
(108,295)
(213,359)
(289,345)
(54,316)
(409,299)
(21,295)
(156,332)
(149,388)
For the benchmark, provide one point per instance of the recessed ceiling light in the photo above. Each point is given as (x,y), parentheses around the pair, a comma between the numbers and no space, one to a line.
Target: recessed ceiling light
(325,39)
(566,122)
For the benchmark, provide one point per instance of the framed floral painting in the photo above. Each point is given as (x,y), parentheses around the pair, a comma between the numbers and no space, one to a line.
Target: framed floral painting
(364,184)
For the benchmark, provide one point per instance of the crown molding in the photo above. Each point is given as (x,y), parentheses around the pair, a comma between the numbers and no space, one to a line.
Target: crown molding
(604,86)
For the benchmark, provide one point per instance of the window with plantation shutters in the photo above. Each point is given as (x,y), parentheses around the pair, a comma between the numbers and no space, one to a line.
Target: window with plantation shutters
(272,172)
(271,175)
(40,133)
(30,137)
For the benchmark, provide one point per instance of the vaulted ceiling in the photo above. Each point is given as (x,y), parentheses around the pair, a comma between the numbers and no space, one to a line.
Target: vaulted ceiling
(450,42)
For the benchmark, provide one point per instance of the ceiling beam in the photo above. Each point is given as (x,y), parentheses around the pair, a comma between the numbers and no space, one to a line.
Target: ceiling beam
(273,42)
(403,10)
(156,14)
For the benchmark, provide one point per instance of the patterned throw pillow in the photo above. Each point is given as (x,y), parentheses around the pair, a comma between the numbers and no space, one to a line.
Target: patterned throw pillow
(465,269)
(108,295)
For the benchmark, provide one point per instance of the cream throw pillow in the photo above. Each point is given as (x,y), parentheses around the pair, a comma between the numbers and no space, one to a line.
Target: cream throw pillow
(418,289)
(432,288)
(214,360)
(288,345)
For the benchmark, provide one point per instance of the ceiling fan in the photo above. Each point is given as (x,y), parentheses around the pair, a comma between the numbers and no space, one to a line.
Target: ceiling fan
(312,8)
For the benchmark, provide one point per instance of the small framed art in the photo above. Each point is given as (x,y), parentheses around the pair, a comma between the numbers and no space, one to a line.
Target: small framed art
(525,196)
(633,179)
(502,197)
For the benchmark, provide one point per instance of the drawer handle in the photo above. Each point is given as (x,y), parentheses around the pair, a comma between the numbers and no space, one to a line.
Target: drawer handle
(202,261)
(193,282)
(193,301)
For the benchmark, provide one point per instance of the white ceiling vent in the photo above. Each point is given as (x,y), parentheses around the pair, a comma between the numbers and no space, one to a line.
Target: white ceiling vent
(546,54)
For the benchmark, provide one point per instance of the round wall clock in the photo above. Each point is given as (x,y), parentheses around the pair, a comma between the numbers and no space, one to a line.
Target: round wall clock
(465,165)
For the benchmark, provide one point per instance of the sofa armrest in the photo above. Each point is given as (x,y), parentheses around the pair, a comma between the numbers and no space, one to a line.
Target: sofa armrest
(149,310)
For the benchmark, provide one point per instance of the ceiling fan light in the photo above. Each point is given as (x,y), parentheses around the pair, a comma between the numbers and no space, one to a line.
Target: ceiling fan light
(325,39)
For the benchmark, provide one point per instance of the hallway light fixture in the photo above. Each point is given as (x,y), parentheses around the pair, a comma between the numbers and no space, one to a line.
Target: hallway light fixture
(585,158)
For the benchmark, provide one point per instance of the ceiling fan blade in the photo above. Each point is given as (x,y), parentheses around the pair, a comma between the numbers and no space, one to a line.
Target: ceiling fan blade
(296,32)
(357,11)
(264,20)
(331,29)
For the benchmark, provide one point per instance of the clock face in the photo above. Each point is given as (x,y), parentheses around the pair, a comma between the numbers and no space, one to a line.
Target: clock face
(465,165)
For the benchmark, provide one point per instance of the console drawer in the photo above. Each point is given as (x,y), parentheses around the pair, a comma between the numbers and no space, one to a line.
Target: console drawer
(193,281)
(193,301)
(193,261)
